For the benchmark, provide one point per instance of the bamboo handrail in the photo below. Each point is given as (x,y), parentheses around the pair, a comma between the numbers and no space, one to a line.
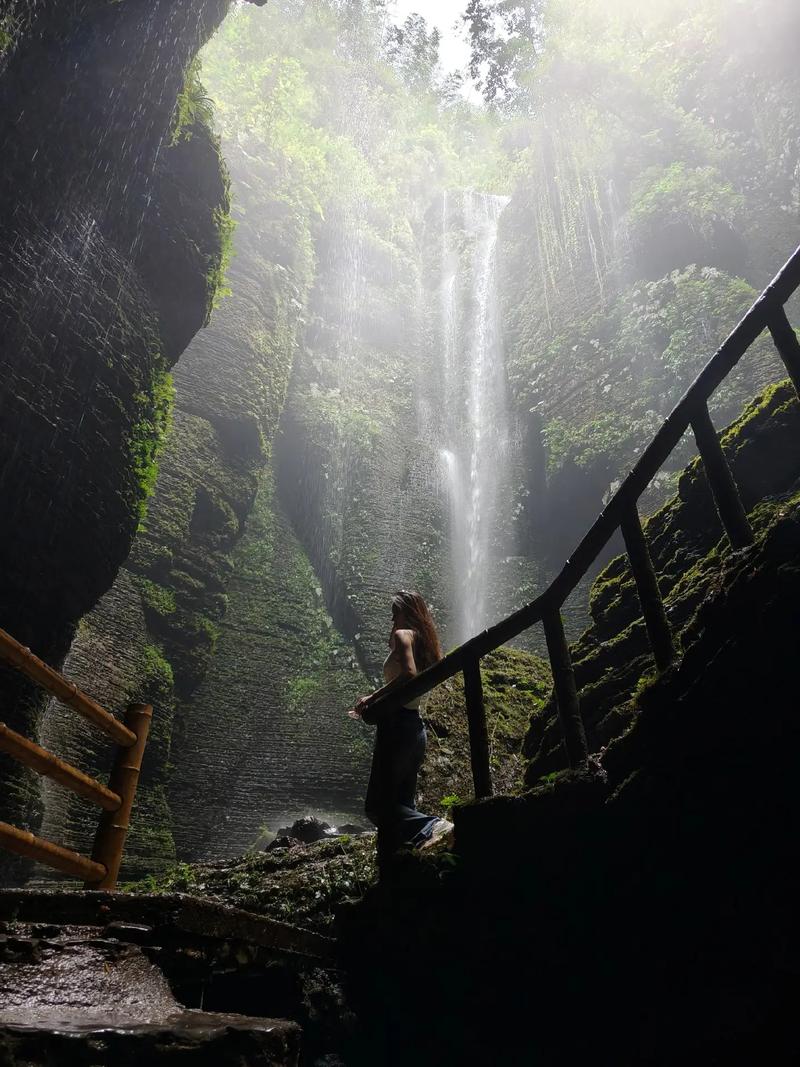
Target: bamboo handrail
(24,843)
(766,310)
(50,766)
(101,871)
(24,660)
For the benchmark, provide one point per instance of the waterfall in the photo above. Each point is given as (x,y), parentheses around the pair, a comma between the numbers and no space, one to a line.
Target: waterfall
(476,425)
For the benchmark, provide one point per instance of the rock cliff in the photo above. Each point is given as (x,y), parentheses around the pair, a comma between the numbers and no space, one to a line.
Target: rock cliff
(109,259)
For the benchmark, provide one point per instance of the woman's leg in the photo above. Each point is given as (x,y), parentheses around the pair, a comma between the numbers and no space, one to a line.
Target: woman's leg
(410,827)
(380,798)
(413,826)
(391,793)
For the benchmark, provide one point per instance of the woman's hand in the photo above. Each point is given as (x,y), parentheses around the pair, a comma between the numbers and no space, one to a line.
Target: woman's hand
(357,711)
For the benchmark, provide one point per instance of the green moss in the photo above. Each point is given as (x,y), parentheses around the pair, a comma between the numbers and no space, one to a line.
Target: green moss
(155,598)
(516,686)
(207,629)
(217,277)
(644,683)
(695,565)
(10,25)
(298,885)
(149,435)
(156,669)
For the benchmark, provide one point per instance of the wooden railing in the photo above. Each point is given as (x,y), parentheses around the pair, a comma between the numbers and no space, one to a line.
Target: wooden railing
(116,800)
(621,513)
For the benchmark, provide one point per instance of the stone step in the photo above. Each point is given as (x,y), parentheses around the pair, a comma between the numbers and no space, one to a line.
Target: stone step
(72,996)
(166,916)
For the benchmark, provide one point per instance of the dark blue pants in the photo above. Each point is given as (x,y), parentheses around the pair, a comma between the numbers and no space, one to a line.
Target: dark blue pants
(391,793)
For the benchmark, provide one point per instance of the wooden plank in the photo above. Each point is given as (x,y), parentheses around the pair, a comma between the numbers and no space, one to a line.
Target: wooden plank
(721,482)
(24,660)
(569,710)
(787,345)
(50,766)
(23,843)
(478,733)
(655,617)
(113,829)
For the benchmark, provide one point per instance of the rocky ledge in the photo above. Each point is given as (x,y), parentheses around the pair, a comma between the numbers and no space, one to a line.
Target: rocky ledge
(110,977)
(75,996)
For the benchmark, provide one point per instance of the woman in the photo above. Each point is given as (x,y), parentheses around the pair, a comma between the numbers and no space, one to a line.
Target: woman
(400,740)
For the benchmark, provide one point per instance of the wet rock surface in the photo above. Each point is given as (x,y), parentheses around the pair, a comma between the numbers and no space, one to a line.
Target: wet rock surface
(169,920)
(174,978)
(76,995)
(310,829)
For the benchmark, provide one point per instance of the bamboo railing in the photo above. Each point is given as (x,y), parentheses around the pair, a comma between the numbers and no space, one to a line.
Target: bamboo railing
(621,513)
(116,799)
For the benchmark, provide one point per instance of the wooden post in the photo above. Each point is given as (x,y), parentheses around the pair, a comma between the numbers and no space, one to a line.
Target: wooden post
(478,733)
(787,344)
(566,690)
(655,617)
(24,843)
(726,494)
(112,831)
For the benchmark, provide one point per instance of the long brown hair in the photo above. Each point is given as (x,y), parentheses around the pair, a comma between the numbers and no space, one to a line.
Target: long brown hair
(427,649)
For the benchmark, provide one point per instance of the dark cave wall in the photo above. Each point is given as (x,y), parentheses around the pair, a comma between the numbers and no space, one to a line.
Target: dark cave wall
(110,247)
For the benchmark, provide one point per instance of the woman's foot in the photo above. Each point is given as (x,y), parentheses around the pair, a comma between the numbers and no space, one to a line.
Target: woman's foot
(442,830)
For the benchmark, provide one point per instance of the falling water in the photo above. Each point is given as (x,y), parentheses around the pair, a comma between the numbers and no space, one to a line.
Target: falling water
(477,431)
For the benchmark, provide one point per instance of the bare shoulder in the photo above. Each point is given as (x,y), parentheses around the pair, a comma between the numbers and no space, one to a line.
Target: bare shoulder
(404,638)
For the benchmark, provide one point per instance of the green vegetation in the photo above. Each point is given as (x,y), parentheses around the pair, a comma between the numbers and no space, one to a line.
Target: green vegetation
(156,598)
(10,23)
(149,434)
(665,195)
(651,187)
(226,226)
(696,569)
(303,886)
(516,686)
(652,169)
(194,107)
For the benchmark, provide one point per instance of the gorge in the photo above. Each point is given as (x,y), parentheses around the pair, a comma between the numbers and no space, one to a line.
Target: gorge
(291,318)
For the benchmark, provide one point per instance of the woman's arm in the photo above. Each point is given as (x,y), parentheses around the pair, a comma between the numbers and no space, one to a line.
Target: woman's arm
(403,651)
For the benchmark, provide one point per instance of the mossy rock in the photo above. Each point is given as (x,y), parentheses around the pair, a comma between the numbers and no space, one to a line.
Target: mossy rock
(516,685)
(694,562)
(303,884)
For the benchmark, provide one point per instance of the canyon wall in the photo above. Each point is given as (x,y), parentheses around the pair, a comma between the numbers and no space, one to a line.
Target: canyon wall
(109,259)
